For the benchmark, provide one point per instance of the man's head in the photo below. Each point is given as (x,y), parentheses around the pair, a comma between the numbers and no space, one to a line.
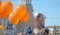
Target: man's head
(40,17)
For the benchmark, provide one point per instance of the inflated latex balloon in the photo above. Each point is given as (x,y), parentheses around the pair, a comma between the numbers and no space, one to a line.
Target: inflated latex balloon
(1,27)
(14,18)
(0,7)
(18,15)
(10,17)
(6,9)
(25,18)
(21,9)
(0,2)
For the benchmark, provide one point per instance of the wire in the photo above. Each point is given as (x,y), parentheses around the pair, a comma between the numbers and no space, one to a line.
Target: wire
(52,17)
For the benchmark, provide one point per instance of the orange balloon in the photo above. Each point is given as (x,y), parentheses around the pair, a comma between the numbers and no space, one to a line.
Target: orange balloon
(1,27)
(17,16)
(25,18)
(0,2)
(0,8)
(14,18)
(21,9)
(10,16)
(6,9)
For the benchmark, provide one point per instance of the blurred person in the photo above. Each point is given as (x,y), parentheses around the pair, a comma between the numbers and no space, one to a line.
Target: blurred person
(39,26)
(29,30)
(46,32)
(20,33)
(39,21)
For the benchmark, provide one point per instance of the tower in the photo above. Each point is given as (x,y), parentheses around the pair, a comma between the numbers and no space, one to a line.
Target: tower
(26,2)
(29,8)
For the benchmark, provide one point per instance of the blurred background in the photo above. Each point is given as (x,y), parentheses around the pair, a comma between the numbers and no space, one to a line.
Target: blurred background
(49,8)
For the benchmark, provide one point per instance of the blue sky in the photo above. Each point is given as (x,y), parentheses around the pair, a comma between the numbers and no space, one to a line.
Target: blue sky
(50,8)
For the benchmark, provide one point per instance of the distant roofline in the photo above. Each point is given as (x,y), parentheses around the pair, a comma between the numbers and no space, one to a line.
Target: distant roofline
(53,26)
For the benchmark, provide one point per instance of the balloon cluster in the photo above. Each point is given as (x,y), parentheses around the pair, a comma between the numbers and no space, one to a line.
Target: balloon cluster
(5,9)
(20,14)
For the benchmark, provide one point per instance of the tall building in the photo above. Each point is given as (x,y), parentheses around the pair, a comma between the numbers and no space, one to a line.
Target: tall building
(29,8)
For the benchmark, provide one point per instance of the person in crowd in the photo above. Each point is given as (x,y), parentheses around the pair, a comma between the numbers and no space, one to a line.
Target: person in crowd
(29,30)
(39,26)
(46,32)
(20,33)
(39,21)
